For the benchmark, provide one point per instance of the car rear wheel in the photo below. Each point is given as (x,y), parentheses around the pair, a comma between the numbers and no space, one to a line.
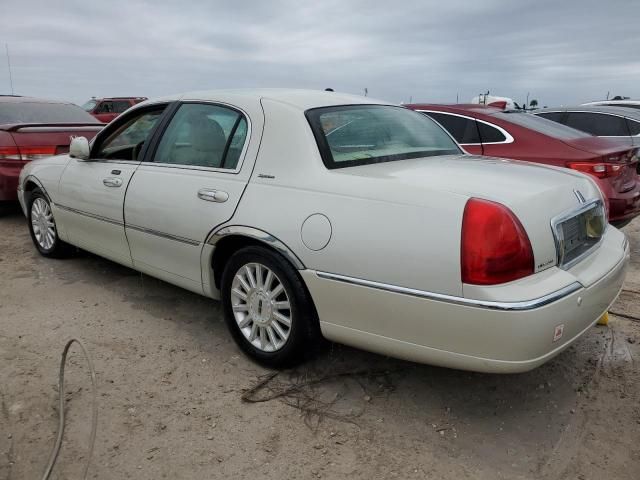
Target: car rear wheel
(42,227)
(267,308)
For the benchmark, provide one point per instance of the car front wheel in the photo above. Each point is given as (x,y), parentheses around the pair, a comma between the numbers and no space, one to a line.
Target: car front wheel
(267,308)
(42,227)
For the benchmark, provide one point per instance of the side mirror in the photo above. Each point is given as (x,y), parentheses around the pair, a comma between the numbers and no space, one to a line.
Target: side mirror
(79,148)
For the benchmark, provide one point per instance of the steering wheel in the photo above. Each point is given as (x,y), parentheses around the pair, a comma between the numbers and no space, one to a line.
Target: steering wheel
(136,151)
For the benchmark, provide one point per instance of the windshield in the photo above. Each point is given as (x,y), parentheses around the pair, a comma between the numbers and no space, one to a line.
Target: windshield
(352,135)
(542,125)
(90,105)
(40,112)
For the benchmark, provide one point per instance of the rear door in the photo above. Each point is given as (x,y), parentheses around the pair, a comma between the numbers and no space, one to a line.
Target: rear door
(463,129)
(91,192)
(191,182)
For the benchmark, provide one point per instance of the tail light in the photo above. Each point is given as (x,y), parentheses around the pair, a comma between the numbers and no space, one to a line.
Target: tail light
(26,154)
(599,170)
(495,247)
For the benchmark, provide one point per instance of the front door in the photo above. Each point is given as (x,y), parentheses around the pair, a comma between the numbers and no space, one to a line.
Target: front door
(191,183)
(91,193)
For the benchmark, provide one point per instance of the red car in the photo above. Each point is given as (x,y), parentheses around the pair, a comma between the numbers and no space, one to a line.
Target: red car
(106,109)
(484,130)
(32,128)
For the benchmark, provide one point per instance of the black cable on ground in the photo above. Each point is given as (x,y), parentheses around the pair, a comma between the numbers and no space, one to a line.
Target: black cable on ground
(94,421)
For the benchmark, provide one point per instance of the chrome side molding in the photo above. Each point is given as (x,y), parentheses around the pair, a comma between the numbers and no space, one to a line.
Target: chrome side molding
(469,302)
(256,234)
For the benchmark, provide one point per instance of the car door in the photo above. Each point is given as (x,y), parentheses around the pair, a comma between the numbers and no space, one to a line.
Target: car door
(463,129)
(91,192)
(191,182)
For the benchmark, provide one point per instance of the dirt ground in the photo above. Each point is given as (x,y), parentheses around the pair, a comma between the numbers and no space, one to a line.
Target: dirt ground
(171,382)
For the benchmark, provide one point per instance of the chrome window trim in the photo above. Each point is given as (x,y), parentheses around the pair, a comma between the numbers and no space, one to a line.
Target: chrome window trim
(243,152)
(507,135)
(468,302)
(555,221)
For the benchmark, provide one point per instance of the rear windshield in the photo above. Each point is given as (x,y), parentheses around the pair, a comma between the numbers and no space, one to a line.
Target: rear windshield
(542,125)
(25,112)
(350,135)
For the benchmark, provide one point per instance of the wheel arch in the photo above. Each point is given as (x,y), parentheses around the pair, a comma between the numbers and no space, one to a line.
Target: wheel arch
(230,239)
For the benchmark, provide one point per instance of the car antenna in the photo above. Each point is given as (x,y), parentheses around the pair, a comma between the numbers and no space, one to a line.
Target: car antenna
(6,46)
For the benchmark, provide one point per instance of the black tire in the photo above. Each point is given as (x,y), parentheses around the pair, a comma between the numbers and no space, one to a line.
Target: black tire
(304,333)
(57,248)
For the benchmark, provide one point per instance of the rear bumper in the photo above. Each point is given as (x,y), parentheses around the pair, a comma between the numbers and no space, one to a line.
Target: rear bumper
(9,173)
(458,335)
(622,206)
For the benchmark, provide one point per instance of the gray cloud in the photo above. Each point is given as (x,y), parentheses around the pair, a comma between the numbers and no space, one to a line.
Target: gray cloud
(560,52)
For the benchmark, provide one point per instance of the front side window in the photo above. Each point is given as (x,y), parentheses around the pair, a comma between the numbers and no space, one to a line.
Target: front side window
(351,135)
(464,130)
(203,135)
(126,142)
(598,124)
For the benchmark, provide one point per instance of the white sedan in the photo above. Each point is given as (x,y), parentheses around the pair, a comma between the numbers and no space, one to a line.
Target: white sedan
(317,214)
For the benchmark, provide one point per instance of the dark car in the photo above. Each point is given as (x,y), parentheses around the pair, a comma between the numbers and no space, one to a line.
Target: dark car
(519,135)
(106,109)
(618,123)
(32,128)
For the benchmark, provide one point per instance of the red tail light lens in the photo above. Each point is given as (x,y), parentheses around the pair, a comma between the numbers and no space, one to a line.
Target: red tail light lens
(26,153)
(495,247)
(600,170)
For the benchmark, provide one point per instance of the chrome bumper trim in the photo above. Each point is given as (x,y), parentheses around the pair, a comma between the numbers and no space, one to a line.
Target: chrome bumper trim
(468,302)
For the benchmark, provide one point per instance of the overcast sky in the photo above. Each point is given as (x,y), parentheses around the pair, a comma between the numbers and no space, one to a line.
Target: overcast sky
(562,52)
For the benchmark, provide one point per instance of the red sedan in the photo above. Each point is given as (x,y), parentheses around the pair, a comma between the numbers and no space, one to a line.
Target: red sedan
(484,130)
(32,128)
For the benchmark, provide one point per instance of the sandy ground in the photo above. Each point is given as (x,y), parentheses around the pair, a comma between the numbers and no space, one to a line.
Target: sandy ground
(170,383)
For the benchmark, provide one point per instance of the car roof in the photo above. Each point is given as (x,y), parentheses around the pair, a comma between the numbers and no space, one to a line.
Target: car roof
(118,98)
(297,98)
(21,99)
(614,102)
(625,112)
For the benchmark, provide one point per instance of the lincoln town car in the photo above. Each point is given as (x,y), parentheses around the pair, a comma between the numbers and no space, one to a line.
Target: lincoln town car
(315,215)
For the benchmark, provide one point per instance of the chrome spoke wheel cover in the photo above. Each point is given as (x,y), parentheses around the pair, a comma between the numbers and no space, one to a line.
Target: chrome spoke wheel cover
(42,223)
(261,307)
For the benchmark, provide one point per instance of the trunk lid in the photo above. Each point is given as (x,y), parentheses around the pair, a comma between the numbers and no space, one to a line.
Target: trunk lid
(535,193)
(37,140)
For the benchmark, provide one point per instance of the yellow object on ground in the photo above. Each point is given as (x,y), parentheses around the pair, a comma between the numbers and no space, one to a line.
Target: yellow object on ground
(604,319)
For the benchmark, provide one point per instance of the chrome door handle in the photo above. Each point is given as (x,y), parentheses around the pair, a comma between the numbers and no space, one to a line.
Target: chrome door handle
(112,182)
(211,195)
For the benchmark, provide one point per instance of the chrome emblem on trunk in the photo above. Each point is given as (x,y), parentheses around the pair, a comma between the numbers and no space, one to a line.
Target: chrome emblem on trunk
(579,196)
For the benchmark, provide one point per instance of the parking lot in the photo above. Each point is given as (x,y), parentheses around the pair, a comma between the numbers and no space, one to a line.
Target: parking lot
(171,384)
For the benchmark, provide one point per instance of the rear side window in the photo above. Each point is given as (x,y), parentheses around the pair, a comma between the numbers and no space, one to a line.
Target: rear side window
(598,124)
(25,112)
(634,127)
(490,134)
(350,135)
(555,116)
(464,130)
(203,135)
